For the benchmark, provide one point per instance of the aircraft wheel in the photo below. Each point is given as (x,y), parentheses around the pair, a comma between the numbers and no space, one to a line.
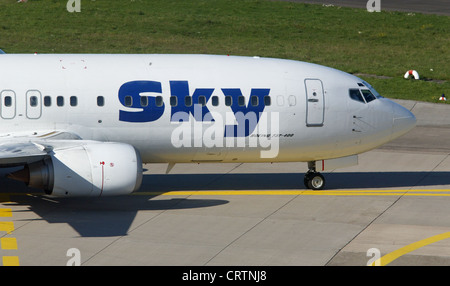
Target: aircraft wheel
(314,181)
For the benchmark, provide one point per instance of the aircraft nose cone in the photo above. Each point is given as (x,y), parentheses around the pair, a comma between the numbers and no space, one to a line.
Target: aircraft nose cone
(404,121)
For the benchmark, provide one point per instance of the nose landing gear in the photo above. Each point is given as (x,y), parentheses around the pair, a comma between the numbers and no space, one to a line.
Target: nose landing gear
(313,180)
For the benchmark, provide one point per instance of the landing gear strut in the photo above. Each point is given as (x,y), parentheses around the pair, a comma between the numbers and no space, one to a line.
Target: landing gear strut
(313,180)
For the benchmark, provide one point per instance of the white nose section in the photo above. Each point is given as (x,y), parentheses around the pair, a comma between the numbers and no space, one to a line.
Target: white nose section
(404,121)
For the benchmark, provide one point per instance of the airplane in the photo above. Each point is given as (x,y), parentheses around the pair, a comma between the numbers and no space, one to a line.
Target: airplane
(84,124)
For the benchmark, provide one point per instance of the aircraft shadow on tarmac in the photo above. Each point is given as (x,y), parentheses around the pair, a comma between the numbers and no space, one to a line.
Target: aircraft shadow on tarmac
(93,217)
(280,181)
(113,216)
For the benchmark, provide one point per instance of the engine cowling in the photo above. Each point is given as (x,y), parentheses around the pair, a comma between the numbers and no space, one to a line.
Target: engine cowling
(91,169)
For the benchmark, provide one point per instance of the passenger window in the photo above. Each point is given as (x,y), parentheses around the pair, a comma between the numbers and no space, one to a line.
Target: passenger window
(254,100)
(144,101)
(368,96)
(215,100)
(188,101)
(356,95)
(8,101)
(228,100)
(128,100)
(47,101)
(267,100)
(280,100)
(60,101)
(241,100)
(173,101)
(33,101)
(202,100)
(100,101)
(159,101)
(292,100)
(73,101)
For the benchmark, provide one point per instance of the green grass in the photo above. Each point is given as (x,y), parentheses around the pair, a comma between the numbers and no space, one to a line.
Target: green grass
(353,40)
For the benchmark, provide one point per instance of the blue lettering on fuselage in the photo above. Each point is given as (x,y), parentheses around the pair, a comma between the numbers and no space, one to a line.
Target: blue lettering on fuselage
(247,116)
(133,89)
(180,89)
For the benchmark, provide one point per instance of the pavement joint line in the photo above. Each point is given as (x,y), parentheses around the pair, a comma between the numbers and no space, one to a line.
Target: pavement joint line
(128,232)
(248,230)
(388,258)
(433,170)
(7,226)
(369,224)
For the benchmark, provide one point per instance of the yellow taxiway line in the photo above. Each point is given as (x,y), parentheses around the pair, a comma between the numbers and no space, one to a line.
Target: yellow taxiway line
(431,192)
(11,243)
(388,258)
(384,260)
(367,192)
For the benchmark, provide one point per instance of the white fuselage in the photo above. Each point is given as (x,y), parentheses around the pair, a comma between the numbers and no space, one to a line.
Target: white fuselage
(303,111)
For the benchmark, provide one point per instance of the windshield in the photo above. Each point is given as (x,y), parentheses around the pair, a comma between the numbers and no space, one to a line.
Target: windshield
(361,95)
(368,96)
(372,90)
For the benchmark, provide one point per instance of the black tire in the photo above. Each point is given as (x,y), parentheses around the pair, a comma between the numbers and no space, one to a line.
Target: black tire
(306,181)
(315,181)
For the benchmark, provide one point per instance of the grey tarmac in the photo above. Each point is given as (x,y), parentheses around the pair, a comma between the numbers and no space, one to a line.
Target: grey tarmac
(200,214)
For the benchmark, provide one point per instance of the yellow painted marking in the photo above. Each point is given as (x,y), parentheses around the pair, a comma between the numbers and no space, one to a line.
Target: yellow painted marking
(5,213)
(368,192)
(7,226)
(436,192)
(8,243)
(388,258)
(10,261)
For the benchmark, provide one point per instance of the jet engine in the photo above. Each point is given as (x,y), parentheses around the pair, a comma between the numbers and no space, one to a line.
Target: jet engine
(88,169)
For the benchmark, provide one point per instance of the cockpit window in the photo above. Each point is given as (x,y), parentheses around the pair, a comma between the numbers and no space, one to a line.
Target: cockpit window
(355,94)
(368,96)
(364,95)
(372,90)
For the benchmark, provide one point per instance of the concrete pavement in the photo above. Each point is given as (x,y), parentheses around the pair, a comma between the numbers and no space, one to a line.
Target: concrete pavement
(198,215)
